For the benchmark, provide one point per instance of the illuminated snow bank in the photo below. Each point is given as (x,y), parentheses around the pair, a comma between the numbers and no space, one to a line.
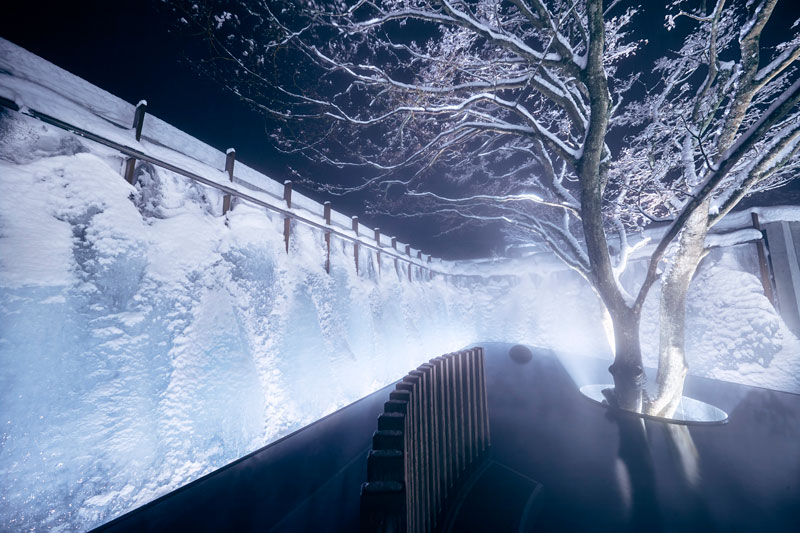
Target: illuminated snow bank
(145,342)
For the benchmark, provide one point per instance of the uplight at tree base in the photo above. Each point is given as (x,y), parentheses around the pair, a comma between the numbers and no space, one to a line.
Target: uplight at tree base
(688,411)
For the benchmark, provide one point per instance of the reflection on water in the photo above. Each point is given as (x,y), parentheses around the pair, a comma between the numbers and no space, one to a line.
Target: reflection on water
(686,451)
(636,475)
(689,410)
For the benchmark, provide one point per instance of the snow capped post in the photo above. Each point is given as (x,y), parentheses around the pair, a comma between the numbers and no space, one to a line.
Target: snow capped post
(378,244)
(419,256)
(430,272)
(326,213)
(130,166)
(230,160)
(394,245)
(138,118)
(408,253)
(355,244)
(287,222)
(762,262)
(138,121)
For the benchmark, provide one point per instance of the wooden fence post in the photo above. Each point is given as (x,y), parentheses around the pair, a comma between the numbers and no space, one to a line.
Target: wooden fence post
(487,436)
(130,166)
(410,264)
(766,282)
(396,266)
(327,215)
(138,122)
(230,161)
(138,118)
(378,244)
(287,222)
(355,244)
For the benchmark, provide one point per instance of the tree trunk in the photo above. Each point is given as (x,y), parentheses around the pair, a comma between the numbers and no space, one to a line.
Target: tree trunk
(672,367)
(627,370)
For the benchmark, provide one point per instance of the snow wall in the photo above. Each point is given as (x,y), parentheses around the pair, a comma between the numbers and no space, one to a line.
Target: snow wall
(145,341)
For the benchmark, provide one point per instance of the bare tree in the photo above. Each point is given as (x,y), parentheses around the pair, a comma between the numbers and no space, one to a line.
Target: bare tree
(514,99)
(708,104)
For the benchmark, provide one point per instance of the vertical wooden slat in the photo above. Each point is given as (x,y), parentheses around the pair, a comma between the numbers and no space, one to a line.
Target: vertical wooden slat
(326,213)
(481,430)
(473,376)
(410,452)
(457,419)
(469,390)
(413,485)
(441,436)
(453,401)
(436,437)
(430,444)
(488,433)
(423,459)
(410,437)
(448,370)
(462,391)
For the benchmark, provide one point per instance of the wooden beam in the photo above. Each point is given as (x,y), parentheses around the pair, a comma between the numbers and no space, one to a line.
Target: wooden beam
(766,278)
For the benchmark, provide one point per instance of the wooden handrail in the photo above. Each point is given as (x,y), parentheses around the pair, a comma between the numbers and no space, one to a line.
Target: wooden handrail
(229,191)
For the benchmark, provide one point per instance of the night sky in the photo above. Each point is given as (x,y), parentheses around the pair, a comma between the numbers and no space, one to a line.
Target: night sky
(126,47)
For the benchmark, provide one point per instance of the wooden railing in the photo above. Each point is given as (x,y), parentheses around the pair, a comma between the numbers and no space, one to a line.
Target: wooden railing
(231,186)
(434,428)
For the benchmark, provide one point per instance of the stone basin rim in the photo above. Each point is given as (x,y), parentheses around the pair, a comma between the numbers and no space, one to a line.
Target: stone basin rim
(592,393)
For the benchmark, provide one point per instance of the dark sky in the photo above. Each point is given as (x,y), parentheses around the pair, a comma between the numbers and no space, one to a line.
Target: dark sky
(125,47)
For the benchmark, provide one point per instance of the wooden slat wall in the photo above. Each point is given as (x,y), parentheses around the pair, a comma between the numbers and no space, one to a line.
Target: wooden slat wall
(434,428)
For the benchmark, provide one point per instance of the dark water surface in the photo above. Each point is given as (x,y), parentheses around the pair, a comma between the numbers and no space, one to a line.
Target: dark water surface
(559,462)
